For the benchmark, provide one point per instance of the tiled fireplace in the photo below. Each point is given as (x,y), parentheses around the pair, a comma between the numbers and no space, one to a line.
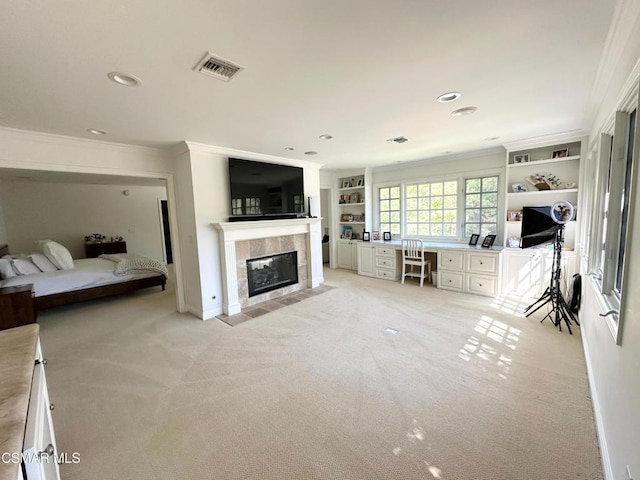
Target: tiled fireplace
(243,241)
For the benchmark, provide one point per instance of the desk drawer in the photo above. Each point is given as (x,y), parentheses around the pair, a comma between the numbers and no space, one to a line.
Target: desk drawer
(451,280)
(387,262)
(386,274)
(448,260)
(482,263)
(482,285)
(386,251)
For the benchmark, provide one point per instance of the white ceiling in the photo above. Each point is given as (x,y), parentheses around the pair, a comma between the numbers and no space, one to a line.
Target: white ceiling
(363,71)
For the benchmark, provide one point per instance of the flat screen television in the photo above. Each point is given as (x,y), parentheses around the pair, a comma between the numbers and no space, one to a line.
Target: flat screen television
(265,191)
(538,227)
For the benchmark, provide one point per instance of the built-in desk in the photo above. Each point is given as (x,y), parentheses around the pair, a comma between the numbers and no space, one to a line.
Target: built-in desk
(460,267)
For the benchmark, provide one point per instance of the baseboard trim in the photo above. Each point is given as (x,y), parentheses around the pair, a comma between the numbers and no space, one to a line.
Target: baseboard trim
(602,440)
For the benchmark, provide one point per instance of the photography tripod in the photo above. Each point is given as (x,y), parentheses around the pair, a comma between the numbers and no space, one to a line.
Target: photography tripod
(553,293)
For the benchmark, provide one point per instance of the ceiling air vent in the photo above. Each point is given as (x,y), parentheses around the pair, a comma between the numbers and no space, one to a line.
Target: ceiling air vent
(217,67)
(398,140)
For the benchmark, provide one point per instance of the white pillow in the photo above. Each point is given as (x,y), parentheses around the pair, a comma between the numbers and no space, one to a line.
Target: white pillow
(6,269)
(42,262)
(57,254)
(23,266)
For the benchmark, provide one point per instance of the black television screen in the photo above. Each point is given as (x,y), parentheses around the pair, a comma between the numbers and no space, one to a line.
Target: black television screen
(537,226)
(262,190)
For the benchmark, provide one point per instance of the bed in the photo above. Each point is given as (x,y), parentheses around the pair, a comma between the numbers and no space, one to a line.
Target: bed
(90,278)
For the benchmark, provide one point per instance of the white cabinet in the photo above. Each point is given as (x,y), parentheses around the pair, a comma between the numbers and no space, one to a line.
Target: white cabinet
(380,261)
(527,272)
(348,254)
(470,271)
(388,262)
(366,260)
(39,438)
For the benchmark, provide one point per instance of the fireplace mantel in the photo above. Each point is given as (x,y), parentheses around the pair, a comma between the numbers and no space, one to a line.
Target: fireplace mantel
(232,232)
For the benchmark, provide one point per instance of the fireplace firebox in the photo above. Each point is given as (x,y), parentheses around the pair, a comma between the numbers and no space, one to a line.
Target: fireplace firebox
(265,274)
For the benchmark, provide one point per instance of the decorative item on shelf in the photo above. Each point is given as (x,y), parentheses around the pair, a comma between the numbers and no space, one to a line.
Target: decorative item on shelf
(548,181)
(562,153)
(514,242)
(522,158)
(347,232)
(514,215)
(354,197)
(518,187)
(360,182)
(352,183)
(345,217)
(345,184)
(376,235)
(355,236)
(95,238)
(386,236)
(366,236)
(474,239)
(488,241)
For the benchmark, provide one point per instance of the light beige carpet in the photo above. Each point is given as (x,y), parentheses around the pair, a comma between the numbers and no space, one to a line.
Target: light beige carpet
(320,389)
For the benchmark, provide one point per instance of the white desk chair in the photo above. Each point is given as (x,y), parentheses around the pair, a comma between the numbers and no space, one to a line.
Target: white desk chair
(413,255)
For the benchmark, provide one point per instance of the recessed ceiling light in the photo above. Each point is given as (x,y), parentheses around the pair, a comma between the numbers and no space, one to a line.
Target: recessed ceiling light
(95,131)
(464,111)
(289,149)
(449,97)
(124,79)
(311,153)
(398,140)
(325,137)
(491,139)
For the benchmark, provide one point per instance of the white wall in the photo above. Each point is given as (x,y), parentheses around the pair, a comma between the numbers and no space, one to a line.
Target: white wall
(66,212)
(615,370)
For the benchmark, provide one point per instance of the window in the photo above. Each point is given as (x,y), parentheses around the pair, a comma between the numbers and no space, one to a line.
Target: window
(298,203)
(252,206)
(390,210)
(626,191)
(481,206)
(610,218)
(431,209)
(236,206)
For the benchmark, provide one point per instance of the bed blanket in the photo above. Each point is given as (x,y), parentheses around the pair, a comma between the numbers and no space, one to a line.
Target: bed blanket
(128,263)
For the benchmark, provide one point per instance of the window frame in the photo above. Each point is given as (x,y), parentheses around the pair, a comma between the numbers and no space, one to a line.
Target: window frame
(461,208)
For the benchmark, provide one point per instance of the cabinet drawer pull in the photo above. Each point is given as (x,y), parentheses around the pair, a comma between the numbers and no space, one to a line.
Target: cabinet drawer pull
(450,260)
(49,451)
(481,262)
(449,280)
(479,284)
(52,407)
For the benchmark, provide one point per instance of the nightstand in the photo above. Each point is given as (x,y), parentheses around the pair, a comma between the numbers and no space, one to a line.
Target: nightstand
(16,306)
(93,250)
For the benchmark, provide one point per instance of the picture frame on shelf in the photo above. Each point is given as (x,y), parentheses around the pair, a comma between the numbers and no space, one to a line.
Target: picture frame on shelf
(354,198)
(474,239)
(345,217)
(360,182)
(514,215)
(345,184)
(386,236)
(561,153)
(488,241)
(521,158)
(518,188)
(347,233)
(376,235)
(366,236)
